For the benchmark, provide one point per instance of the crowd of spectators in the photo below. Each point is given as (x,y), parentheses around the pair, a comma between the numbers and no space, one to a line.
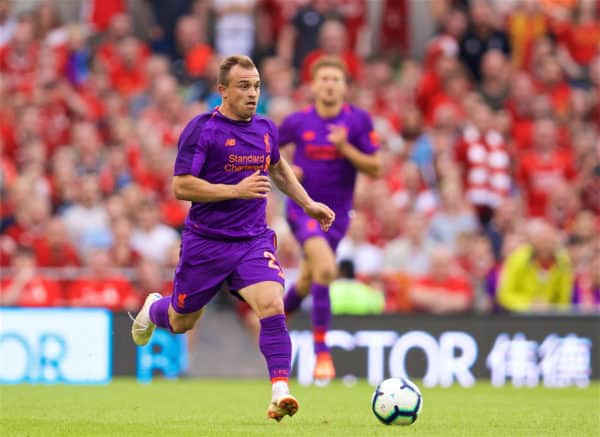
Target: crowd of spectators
(490,198)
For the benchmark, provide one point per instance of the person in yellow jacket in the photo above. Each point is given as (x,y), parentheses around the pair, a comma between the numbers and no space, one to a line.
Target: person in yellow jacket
(536,276)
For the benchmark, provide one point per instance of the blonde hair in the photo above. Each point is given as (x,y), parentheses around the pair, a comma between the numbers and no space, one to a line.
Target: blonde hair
(329,61)
(228,63)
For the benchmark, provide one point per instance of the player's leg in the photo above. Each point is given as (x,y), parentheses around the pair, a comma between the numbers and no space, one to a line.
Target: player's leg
(159,311)
(259,280)
(321,259)
(197,279)
(303,227)
(266,300)
(295,295)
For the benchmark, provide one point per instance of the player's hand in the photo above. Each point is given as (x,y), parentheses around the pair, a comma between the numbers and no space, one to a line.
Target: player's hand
(254,186)
(322,213)
(338,135)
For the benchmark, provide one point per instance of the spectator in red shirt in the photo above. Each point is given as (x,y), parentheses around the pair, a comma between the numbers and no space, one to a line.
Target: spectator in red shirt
(101,286)
(542,168)
(19,58)
(195,53)
(485,163)
(441,291)
(26,287)
(55,249)
(551,81)
(102,12)
(446,43)
(432,80)
(121,251)
(519,106)
(151,278)
(454,91)
(581,38)
(333,41)
(128,75)
(409,192)
(115,173)
(31,220)
(120,26)
(166,114)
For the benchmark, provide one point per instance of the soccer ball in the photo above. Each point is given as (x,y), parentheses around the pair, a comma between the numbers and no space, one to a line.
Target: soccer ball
(397,401)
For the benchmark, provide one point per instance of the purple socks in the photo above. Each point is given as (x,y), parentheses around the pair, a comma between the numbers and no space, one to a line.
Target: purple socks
(321,315)
(292,300)
(159,313)
(275,344)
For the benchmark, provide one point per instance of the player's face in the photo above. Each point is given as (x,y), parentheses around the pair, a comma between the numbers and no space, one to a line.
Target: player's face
(329,86)
(240,96)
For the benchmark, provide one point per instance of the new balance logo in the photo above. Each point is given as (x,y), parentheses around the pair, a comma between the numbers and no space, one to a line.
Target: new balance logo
(230,142)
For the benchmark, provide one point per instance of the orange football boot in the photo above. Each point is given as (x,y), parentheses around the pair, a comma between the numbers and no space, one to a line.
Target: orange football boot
(324,368)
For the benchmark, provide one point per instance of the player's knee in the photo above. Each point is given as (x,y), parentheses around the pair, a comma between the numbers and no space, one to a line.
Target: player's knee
(179,325)
(303,286)
(270,307)
(325,274)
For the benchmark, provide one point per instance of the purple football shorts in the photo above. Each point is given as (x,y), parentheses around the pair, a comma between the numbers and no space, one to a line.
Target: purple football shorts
(204,264)
(304,227)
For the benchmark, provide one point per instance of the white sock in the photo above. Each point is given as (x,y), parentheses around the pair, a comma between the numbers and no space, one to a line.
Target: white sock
(279,389)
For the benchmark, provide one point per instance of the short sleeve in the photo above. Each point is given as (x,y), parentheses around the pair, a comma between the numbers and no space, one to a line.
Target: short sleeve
(275,156)
(191,150)
(287,130)
(365,138)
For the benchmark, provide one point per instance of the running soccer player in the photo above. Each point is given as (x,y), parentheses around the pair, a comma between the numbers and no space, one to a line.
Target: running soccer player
(333,141)
(222,164)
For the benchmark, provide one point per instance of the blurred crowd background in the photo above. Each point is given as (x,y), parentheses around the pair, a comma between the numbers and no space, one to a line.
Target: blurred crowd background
(489,127)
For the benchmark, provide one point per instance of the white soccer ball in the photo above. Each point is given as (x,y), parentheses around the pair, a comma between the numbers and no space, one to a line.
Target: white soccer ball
(397,401)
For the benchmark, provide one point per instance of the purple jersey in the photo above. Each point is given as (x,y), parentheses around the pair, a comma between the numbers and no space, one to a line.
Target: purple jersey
(328,176)
(224,151)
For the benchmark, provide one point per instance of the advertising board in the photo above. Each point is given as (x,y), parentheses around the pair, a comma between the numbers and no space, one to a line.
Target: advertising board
(55,346)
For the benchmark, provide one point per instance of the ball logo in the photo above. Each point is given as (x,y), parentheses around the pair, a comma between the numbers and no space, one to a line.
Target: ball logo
(308,135)
(181,300)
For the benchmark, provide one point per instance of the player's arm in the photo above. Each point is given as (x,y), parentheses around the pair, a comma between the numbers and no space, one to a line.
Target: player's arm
(188,187)
(283,176)
(370,164)
(287,151)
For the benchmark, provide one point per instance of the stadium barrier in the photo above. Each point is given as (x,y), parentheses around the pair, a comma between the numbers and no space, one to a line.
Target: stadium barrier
(553,350)
(90,346)
(55,345)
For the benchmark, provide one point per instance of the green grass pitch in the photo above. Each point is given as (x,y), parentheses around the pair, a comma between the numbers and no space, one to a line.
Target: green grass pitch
(238,408)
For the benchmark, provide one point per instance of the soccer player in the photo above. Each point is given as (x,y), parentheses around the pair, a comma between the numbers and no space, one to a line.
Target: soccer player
(222,164)
(334,141)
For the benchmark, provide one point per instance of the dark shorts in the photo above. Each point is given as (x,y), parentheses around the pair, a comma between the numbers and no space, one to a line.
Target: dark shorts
(304,227)
(204,265)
